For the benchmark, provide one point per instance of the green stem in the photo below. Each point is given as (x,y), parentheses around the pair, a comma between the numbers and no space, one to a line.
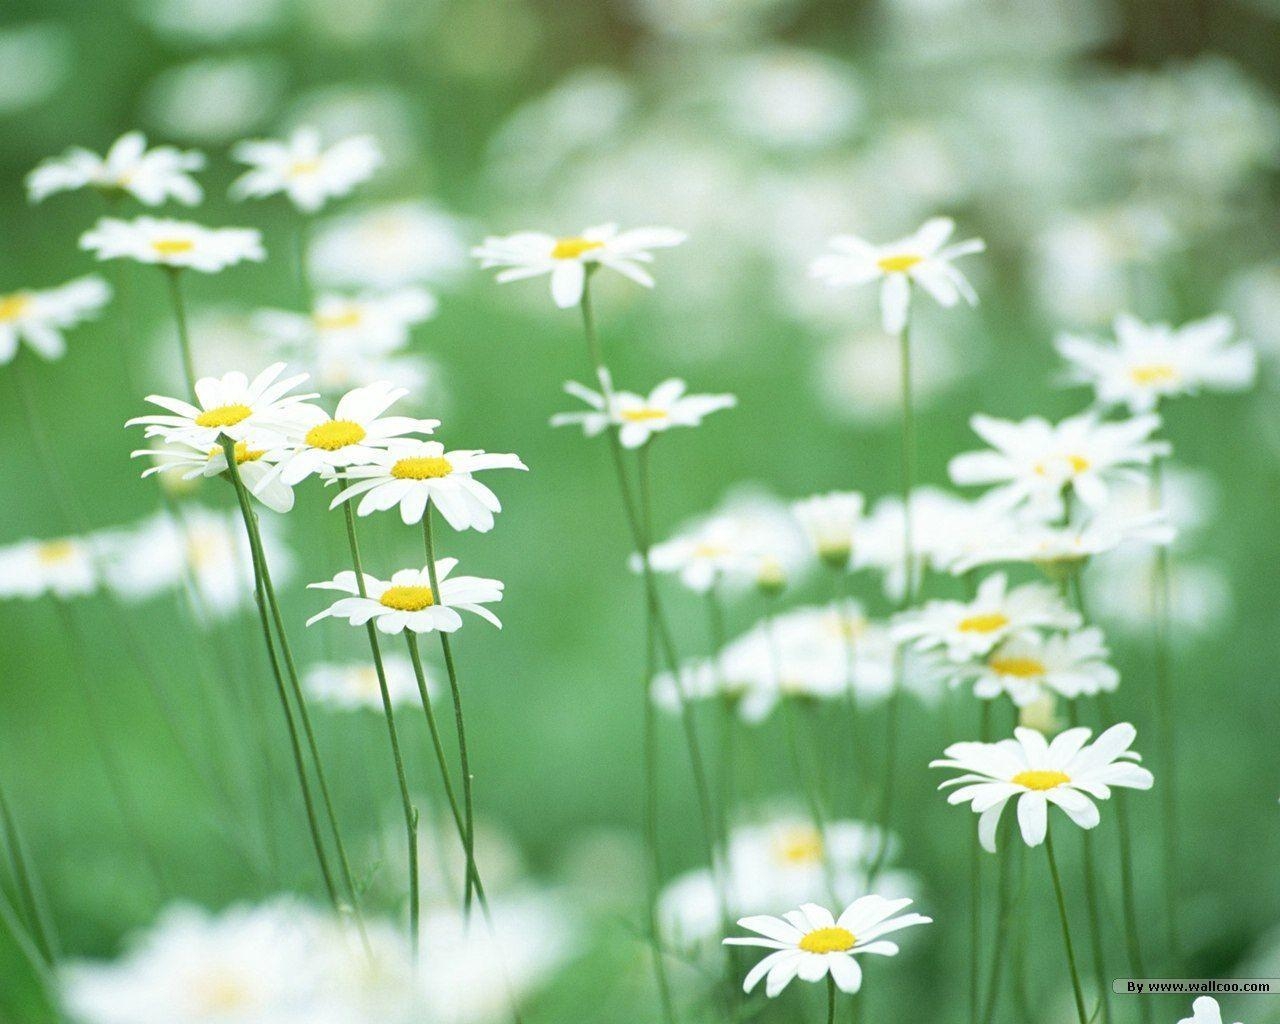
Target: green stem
(975,890)
(29,889)
(1066,927)
(1093,903)
(464,762)
(406,802)
(831,1000)
(1004,922)
(180,320)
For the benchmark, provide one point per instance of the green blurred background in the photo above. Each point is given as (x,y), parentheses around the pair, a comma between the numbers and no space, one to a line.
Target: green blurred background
(1053,130)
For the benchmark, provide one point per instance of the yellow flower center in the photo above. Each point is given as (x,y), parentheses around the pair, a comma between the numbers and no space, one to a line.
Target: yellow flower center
(13,306)
(1040,778)
(642,415)
(898,264)
(222,994)
(335,434)
(1078,463)
(243,452)
(172,246)
(710,551)
(56,551)
(1154,374)
(828,940)
(340,321)
(301,168)
(985,622)
(1022,668)
(800,846)
(407,599)
(572,248)
(428,467)
(223,416)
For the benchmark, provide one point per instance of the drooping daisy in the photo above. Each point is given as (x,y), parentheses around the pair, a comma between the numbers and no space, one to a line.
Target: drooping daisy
(920,258)
(1205,1010)
(129,168)
(412,475)
(304,170)
(233,405)
(830,521)
(176,244)
(970,629)
(811,944)
(638,418)
(369,324)
(567,259)
(355,434)
(39,317)
(255,466)
(1065,773)
(407,601)
(1071,664)
(63,566)
(353,685)
(1149,362)
(1034,461)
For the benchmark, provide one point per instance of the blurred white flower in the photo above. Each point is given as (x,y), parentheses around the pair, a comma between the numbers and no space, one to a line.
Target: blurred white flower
(408,602)
(255,466)
(860,377)
(1150,362)
(639,417)
(215,99)
(831,523)
(175,244)
(1065,773)
(791,98)
(63,567)
(567,259)
(210,21)
(1027,539)
(1071,664)
(944,527)
(1253,295)
(38,317)
(352,685)
(388,246)
(1033,462)
(371,323)
(729,19)
(303,170)
(921,259)
(1204,1010)
(35,60)
(1123,592)
(150,176)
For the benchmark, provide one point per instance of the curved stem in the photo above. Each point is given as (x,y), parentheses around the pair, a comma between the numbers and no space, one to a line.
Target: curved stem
(30,892)
(1066,927)
(406,802)
(180,321)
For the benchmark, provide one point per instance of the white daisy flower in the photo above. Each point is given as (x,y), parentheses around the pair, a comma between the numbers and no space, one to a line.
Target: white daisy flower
(303,170)
(373,323)
(567,259)
(408,602)
(1065,773)
(415,474)
(1071,664)
(1051,547)
(1035,461)
(1204,1010)
(638,417)
(356,433)
(831,522)
(129,168)
(1149,362)
(63,567)
(811,944)
(349,686)
(177,244)
(242,409)
(943,526)
(255,465)
(971,629)
(393,245)
(39,317)
(920,258)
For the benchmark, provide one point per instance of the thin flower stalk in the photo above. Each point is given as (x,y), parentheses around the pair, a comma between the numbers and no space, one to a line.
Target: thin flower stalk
(36,908)
(975,890)
(1093,905)
(181,325)
(1056,878)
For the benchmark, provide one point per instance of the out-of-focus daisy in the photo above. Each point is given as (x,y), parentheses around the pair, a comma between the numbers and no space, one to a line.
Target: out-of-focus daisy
(408,602)
(921,258)
(810,943)
(39,317)
(388,246)
(1149,362)
(1122,592)
(373,323)
(943,526)
(639,417)
(1072,664)
(129,168)
(318,443)
(255,466)
(417,473)
(352,685)
(1041,714)
(304,170)
(1054,548)
(1034,461)
(567,259)
(1205,1010)
(63,566)
(1065,773)
(971,629)
(242,409)
(830,521)
(176,244)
